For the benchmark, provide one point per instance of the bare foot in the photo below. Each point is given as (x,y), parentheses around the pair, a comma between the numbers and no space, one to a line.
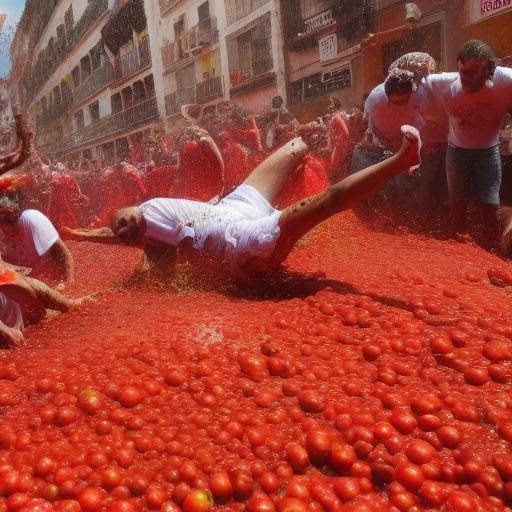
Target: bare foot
(411,148)
(76,303)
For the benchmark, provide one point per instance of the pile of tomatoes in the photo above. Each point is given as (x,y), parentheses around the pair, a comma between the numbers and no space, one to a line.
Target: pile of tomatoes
(373,376)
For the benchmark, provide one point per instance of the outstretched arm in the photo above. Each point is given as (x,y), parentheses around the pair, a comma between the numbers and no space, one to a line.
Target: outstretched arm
(100,235)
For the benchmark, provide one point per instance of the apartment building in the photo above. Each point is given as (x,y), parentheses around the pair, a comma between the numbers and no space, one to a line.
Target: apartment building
(323,52)
(88,80)
(252,53)
(186,37)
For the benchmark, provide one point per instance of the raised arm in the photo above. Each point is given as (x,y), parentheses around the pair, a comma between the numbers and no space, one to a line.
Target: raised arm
(23,147)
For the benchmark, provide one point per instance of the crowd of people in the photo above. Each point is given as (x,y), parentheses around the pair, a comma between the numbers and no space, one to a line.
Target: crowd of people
(244,188)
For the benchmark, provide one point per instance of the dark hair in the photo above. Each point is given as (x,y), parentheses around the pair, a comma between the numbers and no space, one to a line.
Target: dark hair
(336,102)
(480,51)
(10,200)
(418,63)
(399,80)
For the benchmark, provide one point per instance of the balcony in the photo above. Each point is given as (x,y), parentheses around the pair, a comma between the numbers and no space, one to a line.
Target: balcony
(134,61)
(209,89)
(318,85)
(98,79)
(236,9)
(94,10)
(136,115)
(175,100)
(166,4)
(203,34)
(176,55)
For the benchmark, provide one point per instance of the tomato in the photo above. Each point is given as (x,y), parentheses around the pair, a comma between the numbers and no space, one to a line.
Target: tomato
(420,452)
(45,466)
(121,506)
(347,488)
(311,401)
(342,456)
(297,456)
(318,446)
(292,505)
(198,501)
(260,502)
(220,485)
(37,505)
(155,496)
(92,499)
(409,475)
(130,396)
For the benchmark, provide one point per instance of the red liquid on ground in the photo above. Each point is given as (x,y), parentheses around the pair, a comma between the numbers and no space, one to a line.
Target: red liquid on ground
(380,382)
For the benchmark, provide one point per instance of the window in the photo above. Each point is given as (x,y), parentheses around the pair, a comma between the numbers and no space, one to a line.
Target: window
(203,11)
(116,103)
(61,38)
(150,86)
(127,95)
(139,92)
(79,119)
(96,53)
(94,111)
(65,92)
(69,20)
(186,77)
(85,66)
(76,76)
(250,54)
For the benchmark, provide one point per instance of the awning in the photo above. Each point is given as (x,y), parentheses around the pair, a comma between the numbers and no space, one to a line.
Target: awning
(118,30)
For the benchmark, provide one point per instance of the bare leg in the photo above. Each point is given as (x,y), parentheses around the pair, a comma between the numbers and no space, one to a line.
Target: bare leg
(50,298)
(270,175)
(298,219)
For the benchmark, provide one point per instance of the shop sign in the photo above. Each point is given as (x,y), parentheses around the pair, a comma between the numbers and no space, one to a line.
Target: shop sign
(324,19)
(482,9)
(328,47)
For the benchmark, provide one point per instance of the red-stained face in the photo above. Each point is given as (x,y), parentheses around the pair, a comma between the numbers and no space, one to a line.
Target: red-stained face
(473,74)
(399,98)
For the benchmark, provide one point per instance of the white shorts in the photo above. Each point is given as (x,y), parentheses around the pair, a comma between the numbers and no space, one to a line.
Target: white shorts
(257,233)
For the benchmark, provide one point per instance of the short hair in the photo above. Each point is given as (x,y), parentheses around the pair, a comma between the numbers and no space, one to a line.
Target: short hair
(418,63)
(399,81)
(10,200)
(336,102)
(480,51)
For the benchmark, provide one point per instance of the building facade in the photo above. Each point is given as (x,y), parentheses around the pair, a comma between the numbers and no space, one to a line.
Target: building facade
(99,74)
(88,82)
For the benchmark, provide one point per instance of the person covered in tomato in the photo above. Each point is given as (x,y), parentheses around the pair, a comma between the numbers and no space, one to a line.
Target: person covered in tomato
(122,184)
(200,172)
(476,100)
(244,233)
(29,239)
(22,150)
(390,105)
(66,199)
(25,300)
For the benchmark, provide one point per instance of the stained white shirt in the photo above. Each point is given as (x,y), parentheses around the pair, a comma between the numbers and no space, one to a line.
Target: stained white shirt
(34,237)
(385,120)
(474,118)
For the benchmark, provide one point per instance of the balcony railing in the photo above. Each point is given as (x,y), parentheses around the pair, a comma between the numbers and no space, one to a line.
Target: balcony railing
(236,9)
(49,62)
(240,76)
(165,4)
(202,34)
(176,54)
(94,82)
(135,60)
(175,100)
(126,119)
(209,89)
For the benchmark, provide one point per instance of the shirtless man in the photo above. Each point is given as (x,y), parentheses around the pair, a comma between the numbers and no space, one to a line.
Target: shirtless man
(243,230)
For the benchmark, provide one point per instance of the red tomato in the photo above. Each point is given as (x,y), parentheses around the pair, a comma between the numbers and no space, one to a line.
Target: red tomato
(92,499)
(198,501)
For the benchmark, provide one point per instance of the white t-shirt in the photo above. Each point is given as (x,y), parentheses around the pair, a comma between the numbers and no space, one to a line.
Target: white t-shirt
(35,235)
(474,118)
(243,218)
(385,119)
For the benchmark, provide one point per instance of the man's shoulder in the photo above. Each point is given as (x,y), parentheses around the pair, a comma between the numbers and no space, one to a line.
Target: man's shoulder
(376,96)
(32,216)
(438,80)
(503,74)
